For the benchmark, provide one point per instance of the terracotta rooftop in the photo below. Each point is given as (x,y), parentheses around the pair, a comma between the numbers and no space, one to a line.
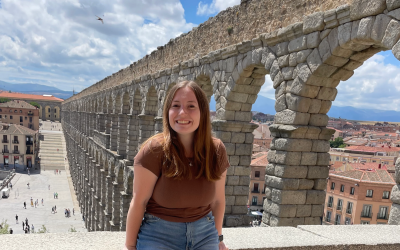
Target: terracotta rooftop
(373,149)
(29,97)
(260,161)
(355,141)
(14,129)
(17,104)
(379,175)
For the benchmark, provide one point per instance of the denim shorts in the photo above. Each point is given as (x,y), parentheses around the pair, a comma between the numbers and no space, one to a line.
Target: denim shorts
(156,233)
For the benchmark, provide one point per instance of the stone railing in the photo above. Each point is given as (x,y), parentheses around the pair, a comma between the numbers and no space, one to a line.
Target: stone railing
(365,237)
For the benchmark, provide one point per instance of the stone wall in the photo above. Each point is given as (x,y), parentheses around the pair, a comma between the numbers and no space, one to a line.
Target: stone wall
(248,20)
(305,60)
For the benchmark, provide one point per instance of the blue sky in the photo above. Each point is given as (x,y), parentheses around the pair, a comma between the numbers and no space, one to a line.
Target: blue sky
(61,44)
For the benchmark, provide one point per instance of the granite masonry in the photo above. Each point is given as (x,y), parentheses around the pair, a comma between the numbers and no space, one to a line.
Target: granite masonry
(105,124)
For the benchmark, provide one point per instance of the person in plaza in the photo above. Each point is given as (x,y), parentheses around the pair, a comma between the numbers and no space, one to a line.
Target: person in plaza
(11,185)
(16,218)
(28,184)
(179,184)
(24,204)
(52,210)
(42,201)
(73,211)
(26,221)
(23,225)
(55,209)
(11,231)
(33,229)
(26,230)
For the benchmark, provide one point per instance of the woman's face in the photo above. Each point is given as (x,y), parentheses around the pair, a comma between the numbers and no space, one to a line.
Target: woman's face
(184,113)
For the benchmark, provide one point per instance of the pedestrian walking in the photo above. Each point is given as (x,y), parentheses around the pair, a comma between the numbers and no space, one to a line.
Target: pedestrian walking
(54,195)
(26,230)
(83,217)
(28,185)
(23,225)
(16,218)
(52,210)
(26,221)
(49,187)
(11,231)
(29,173)
(42,201)
(33,229)
(11,185)
(24,204)
(29,228)
(55,209)
(73,211)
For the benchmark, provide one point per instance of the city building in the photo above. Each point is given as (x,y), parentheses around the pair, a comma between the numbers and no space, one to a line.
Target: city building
(358,197)
(20,112)
(257,182)
(50,106)
(19,146)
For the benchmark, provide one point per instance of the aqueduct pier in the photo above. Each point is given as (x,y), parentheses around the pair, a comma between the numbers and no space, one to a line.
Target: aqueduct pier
(306,47)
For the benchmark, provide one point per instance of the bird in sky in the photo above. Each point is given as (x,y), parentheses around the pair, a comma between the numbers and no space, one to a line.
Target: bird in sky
(100,19)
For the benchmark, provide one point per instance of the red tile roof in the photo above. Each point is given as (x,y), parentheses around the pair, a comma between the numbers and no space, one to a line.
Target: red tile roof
(373,149)
(260,161)
(379,175)
(29,97)
(17,104)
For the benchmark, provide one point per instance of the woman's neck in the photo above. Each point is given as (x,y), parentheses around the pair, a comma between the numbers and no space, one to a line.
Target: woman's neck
(187,143)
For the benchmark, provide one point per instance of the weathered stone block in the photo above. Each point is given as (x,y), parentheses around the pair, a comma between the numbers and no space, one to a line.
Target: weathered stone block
(392,4)
(313,22)
(239,209)
(392,34)
(241,190)
(238,137)
(325,107)
(365,54)
(265,219)
(320,146)
(297,197)
(245,160)
(287,73)
(323,159)
(308,158)
(379,27)
(296,145)
(268,192)
(394,218)
(312,132)
(229,200)
(317,172)
(288,116)
(232,180)
(297,103)
(287,158)
(395,195)
(285,222)
(280,103)
(312,221)
(305,184)
(244,180)
(364,31)
(303,210)
(298,44)
(287,171)
(336,49)
(343,14)
(234,160)
(326,93)
(352,65)
(336,61)
(230,148)
(364,8)
(316,197)
(319,120)
(315,106)
(279,210)
(282,183)
(241,200)
(395,14)
(317,210)
(270,169)
(228,190)
(283,61)
(282,49)
(224,136)
(303,72)
(240,170)
(320,184)
(301,56)
(313,40)
(298,87)
(397,169)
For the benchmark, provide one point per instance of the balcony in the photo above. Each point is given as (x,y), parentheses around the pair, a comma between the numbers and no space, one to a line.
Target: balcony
(349,211)
(382,216)
(339,208)
(366,215)
(30,114)
(5,151)
(337,222)
(15,142)
(4,141)
(15,151)
(327,219)
(329,205)
(255,191)
(29,142)
(29,152)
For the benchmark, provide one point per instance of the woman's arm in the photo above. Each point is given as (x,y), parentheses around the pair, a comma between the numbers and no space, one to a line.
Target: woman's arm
(218,206)
(143,185)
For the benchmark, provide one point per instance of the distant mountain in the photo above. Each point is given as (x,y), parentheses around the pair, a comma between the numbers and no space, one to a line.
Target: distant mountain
(35,89)
(267,106)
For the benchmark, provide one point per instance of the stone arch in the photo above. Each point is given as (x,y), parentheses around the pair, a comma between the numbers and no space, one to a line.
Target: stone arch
(47,110)
(150,107)
(125,102)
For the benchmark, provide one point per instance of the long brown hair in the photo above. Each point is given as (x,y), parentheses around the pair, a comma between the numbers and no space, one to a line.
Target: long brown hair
(204,149)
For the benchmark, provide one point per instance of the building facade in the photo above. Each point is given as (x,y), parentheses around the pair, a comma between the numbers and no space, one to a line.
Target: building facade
(358,197)
(257,182)
(19,146)
(50,106)
(20,112)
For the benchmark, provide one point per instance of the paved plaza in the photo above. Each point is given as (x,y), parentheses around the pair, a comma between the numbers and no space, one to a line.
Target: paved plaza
(39,182)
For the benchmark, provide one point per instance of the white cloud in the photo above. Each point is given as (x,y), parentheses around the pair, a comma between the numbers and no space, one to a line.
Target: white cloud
(216,6)
(62,43)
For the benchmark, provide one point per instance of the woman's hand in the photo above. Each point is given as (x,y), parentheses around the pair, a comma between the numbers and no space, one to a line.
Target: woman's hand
(129,248)
(222,246)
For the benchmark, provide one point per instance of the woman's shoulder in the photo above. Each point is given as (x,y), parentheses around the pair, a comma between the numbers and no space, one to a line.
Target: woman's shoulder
(217,142)
(154,144)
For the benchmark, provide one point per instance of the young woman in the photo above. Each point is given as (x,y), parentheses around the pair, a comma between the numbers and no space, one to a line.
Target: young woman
(179,185)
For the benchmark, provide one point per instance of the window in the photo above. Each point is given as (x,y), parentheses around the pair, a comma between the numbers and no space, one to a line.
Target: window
(11,117)
(369,192)
(352,190)
(0,116)
(349,208)
(333,186)
(15,148)
(10,110)
(385,195)
(254,201)
(256,188)
(20,111)
(257,174)
(367,211)
(364,222)
(328,216)
(30,119)
(49,116)
(26,118)
(337,158)
(330,201)
(15,138)
(1,110)
(55,111)
(55,116)
(383,213)
(341,188)
(347,221)
(21,119)
(49,109)
(15,111)
(339,204)
(337,220)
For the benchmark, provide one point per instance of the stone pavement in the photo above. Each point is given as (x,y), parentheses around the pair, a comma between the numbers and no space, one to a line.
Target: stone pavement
(39,188)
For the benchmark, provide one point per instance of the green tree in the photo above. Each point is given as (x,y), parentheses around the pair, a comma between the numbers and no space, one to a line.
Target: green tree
(72,229)
(35,104)
(3,100)
(337,143)
(4,227)
(43,230)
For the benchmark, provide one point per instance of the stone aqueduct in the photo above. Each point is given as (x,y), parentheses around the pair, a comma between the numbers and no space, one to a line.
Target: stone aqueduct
(321,43)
